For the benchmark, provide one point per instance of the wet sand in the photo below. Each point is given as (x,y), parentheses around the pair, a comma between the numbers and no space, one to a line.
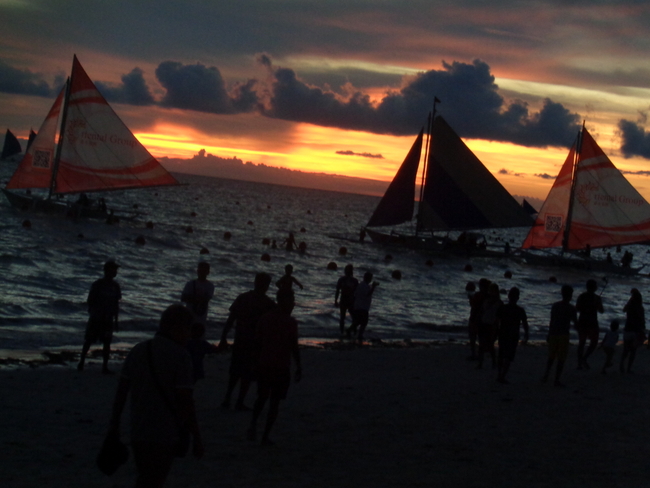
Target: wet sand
(371,417)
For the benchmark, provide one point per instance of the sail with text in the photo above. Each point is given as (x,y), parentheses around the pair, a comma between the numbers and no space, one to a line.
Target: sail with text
(96,150)
(591,204)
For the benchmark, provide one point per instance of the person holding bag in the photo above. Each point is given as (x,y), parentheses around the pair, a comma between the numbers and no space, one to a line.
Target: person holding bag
(158,376)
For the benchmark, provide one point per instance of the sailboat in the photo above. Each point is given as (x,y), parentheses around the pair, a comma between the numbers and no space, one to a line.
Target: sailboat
(458,193)
(96,152)
(11,147)
(591,205)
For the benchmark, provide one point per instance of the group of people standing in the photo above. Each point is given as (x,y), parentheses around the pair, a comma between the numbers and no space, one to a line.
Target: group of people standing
(491,320)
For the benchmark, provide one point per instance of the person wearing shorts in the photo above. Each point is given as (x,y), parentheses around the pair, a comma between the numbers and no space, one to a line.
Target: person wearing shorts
(589,305)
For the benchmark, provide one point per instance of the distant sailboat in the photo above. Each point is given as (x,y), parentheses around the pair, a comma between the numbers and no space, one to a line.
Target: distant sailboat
(11,146)
(458,193)
(96,151)
(530,210)
(591,205)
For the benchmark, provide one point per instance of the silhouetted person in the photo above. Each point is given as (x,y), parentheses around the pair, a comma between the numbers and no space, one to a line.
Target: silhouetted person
(609,344)
(276,343)
(489,325)
(245,312)
(103,310)
(476,306)
(345,286)
(285,284)
(158,375)
(588,306)
(198,348)
(361,307)
(290,242)
(563,313)
(511,316)
(609,258)
(626,260)
(198,293)
(634,331)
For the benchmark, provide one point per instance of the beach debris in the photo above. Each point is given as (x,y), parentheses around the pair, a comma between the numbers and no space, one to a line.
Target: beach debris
(507,274)
(343,251)
(226,236)
(468,267)
(140,240)
(332,266)
(27,224)
(266,257)
(204,250)
(396,274)
(149,225)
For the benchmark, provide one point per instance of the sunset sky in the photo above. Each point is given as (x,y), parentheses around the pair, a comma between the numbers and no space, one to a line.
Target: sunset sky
(344,86)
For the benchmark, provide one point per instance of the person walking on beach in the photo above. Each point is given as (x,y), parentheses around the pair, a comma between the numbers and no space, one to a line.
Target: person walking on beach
(198,293)
(285,283)
(103,310)
(563,313)
(609,344)
(634,331)
(511,316)
(588,305)
(361,307)
(489,325)
(157,374)
(345,286)
(245,312)
(476,306)
(276,342)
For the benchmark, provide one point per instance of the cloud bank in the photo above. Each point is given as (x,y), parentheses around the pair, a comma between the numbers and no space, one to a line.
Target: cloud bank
(635,140)
(471,102)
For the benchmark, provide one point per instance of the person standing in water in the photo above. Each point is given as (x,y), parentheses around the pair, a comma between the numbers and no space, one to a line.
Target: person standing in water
(285,284)
(103,310)
(345,286)
(198,293)
(588,305)
(361,307)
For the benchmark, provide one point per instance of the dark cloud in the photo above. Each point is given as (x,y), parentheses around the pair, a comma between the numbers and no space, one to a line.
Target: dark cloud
(545,176)
(363,155)
(470,103)
(132,91)
(636,173)
(22,82)
(635,140)
(201,88)
(504,171)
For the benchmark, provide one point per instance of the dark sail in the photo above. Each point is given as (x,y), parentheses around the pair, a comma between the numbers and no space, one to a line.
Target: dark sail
(396,207)
(11,146)
(460,192)
(530,210)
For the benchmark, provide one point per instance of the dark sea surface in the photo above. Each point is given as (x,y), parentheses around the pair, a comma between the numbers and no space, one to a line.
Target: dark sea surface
(47,269)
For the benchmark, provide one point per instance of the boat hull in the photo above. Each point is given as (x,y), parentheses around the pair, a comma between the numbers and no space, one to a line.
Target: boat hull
(576,262)
(437,245)
(54,207)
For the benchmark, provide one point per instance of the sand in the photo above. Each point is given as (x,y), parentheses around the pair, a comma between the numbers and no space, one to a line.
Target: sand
(372,417)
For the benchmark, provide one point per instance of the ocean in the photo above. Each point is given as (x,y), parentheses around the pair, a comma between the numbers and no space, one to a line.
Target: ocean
(47,269)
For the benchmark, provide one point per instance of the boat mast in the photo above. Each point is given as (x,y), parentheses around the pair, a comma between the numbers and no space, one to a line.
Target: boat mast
(432,116)
(59,147)
(567,227)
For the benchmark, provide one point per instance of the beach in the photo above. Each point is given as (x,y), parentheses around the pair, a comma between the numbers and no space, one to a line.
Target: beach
(372,416)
